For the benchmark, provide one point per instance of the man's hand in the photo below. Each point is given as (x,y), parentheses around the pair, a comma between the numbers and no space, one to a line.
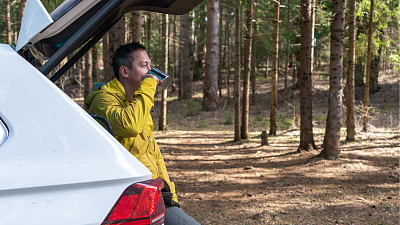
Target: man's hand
(159,82)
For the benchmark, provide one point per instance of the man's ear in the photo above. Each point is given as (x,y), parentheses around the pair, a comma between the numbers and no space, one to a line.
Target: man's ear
(122,72)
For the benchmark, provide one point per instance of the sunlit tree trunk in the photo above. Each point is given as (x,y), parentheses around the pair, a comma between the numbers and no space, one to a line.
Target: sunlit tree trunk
(368,68)
(331,146)
(210,92)
(148,30)
(237,71)
(106,59)
(7,18)
(274,77)
(306,115)
(162,125)
(351,58)
(88,76)
(227,51)
(312,34)
(246,75)
(96,63)
(221,43)
(136,25)
(253,73)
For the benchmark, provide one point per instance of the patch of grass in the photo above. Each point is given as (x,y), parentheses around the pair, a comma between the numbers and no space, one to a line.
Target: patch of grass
(229,118)
(193,108)
(319,118)
(283,121)
(202,124)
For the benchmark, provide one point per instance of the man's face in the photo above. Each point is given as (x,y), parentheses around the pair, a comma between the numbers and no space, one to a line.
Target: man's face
(140,67)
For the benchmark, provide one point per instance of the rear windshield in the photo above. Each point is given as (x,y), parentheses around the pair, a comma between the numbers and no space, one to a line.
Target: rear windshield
(3,132)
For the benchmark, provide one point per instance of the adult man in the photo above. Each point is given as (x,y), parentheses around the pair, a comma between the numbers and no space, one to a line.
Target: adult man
(126,102)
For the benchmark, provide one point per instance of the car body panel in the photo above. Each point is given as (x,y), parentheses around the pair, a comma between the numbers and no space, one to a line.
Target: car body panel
(54,148)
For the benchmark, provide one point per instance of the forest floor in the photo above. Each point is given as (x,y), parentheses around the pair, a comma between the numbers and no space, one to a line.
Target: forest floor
(219,181)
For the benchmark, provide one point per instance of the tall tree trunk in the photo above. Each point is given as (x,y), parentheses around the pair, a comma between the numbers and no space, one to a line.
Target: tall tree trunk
(312,34)
(96,64)
(306,115)
(116,38)
(210,93)
(227,51)
(185,77)
(106,60)
(21,12)
(136,25)
(287,24)
(368,68)
(375,66)
(253,73)
(246,75)
(351,58)
(88,77)
(221,43)
(148,31)
(7,8)
(237,71)
(331,144)
(274,77)
(162,125)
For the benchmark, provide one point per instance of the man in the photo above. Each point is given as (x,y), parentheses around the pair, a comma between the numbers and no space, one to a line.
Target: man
(126,102)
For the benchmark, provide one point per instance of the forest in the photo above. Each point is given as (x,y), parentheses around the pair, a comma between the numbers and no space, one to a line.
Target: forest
(280,111)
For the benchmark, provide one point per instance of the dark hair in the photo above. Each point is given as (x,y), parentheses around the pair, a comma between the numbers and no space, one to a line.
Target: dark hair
(123,56)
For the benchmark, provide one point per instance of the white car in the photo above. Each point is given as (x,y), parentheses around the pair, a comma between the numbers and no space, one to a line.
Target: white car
(57,164)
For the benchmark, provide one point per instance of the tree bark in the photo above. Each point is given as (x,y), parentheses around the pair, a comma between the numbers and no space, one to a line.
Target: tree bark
(136,25)
(351,58)
(368,68)
(210,92)
(162,125)
(96,67)
(331,146)
(227,51)
(246,72)
(375,67)
(306,128)
(148,31)
(253,73)
(7,8)
(21,12)
(88,77)
(237,71)
(274,77)
(106,60)
(185,86)
(116,37)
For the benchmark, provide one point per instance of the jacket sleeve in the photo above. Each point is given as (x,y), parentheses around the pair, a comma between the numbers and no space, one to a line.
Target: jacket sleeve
(127,121)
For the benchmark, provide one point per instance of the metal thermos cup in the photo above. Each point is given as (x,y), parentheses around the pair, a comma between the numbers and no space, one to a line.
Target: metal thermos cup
(166,80)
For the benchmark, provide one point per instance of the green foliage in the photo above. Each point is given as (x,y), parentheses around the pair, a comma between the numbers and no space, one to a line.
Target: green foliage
(395,57)
(385,24)
(193,107)
(229,118)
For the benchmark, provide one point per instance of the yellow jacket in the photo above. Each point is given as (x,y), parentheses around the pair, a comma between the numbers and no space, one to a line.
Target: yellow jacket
(132,123)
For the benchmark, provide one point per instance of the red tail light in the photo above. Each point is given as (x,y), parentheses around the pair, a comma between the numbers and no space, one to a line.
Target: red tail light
(139,204)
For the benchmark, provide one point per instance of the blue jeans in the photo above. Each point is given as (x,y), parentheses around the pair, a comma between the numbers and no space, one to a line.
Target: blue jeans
(176,216)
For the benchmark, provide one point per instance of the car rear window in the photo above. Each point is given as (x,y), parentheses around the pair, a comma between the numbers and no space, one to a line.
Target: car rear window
(3,132)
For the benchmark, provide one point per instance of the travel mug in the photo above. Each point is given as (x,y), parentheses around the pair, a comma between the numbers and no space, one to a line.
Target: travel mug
(166,80)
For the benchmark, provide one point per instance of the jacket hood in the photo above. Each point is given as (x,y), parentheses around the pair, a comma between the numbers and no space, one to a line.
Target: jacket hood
(113,87)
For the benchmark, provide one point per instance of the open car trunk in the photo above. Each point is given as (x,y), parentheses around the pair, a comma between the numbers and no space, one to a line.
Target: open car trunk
(80,23)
